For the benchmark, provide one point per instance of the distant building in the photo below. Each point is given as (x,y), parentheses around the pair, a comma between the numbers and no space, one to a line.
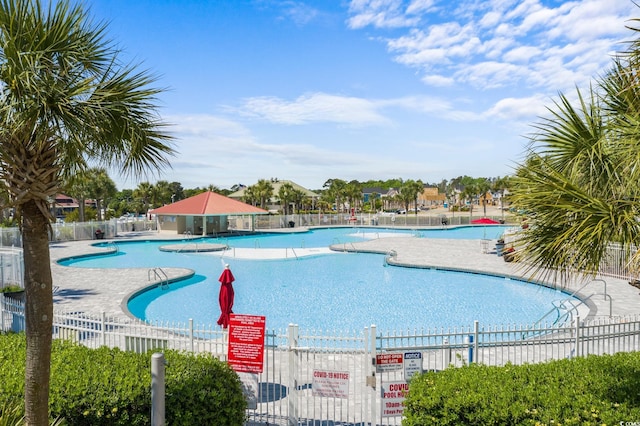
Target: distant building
(274,204)
(431,196)
(63,205)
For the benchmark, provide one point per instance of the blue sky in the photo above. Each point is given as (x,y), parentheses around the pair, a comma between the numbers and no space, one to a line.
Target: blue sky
(362,89)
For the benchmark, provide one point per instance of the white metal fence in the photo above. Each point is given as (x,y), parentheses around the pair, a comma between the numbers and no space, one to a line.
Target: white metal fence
(367,219)
(285,392)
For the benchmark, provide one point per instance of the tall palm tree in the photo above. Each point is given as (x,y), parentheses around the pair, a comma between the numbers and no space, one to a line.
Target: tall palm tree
(161,194)
(578,183)
(483,186)
(286,195)
(264,192)
(143,195)
(335,192)
(65,101)
(409,192)
(501,185)
(353,193)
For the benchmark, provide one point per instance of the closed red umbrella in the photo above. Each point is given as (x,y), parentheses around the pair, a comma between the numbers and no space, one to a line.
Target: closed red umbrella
(226,296)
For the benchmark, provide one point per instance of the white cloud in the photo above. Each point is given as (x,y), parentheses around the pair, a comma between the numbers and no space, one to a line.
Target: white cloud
(490,19)
(518,108)
(499,43)
(522,54)
(380,14)
(418,6)
(438,80)
(315,107)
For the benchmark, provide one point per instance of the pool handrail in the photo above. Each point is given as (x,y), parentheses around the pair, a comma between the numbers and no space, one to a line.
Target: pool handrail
(568,313)
(159,275)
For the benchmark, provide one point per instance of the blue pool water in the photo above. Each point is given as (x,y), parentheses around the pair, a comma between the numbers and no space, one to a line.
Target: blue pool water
(327,237)
(330,292)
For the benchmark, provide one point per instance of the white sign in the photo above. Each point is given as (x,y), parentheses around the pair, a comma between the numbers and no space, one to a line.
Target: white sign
(412,364)
(330,384)
(393,396)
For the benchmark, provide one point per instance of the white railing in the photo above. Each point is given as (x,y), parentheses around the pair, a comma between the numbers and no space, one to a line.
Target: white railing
(292,356)
(363,219)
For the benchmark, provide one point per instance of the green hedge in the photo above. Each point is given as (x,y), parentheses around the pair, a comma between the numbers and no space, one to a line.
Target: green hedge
(596,390)
(112,387)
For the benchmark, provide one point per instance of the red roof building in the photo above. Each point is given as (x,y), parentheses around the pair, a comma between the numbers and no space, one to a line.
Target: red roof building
(206,213)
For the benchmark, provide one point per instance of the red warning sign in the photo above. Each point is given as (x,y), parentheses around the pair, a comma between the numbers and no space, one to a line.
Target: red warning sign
(246,343)
(389,362)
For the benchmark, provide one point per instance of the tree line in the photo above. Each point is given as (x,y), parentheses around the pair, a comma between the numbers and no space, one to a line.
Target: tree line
(96,185)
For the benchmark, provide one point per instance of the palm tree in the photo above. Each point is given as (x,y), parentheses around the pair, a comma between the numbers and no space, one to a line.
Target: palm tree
(161,194)
(579,182)
(297,196)
(469,193)
(286,195)
(65,102)
(101,188)
(335,192)
(264,192)
(502,184)
(143,195)
(353,193)
(483,186)
(250,196)
(409,192)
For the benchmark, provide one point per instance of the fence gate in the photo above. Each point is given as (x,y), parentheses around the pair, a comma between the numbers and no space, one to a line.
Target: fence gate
(316,379)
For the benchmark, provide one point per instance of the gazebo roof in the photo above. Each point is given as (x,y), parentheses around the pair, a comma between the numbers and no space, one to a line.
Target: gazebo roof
(208,204)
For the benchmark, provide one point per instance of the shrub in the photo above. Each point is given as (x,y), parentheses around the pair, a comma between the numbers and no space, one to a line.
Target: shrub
(594,390)
(11,288)
(111,387)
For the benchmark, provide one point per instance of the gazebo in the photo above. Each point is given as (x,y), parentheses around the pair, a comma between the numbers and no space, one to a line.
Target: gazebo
(206,213)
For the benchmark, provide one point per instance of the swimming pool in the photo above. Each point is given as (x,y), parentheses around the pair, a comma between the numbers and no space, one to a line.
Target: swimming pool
(337,291)
(327,236)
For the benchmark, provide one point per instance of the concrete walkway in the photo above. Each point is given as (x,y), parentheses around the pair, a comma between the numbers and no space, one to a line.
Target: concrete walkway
(94,291)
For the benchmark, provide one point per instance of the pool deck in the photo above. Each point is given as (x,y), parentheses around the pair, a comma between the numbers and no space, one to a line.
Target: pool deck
(94,291)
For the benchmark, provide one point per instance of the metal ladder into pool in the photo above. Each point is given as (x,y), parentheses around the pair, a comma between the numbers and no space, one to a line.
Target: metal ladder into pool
(157,274)
(564,309)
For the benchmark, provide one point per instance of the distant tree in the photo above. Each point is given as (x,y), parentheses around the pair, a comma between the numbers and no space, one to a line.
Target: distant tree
(409,192)
(501,185)
(77,186)
(161,194)
(142,197)
(264,192)
(335,192)
(353,193)
(297,196)
(177,191)
(249,196)
(286,196)
(100,187)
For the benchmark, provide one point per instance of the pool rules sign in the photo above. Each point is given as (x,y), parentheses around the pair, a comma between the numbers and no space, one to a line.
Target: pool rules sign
(246,343)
